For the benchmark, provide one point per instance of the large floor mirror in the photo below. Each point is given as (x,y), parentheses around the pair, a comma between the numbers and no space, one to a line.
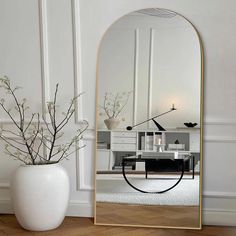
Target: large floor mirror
(149,122)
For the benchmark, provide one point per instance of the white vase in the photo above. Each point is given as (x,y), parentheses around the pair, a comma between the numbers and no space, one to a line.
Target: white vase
(112,123)
(40,195)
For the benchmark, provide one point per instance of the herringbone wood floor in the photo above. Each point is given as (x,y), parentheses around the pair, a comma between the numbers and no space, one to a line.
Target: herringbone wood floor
(175,216)
(75,226)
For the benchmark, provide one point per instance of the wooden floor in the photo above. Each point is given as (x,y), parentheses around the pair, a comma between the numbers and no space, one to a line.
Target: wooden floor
(174,216)
(73,226)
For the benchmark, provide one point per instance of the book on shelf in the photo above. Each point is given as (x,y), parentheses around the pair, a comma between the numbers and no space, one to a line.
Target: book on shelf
(142,142)
(149,142)
(176,146)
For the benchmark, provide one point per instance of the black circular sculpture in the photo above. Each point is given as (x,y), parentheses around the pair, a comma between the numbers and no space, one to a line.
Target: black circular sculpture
(142,191)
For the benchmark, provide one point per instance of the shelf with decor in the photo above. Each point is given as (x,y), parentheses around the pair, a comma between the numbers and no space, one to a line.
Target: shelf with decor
(113,145)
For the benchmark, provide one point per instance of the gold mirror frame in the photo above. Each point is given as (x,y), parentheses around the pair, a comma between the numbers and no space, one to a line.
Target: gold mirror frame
(201,130)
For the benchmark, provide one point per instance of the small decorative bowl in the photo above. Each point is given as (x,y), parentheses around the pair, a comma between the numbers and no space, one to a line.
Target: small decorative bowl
(190,124)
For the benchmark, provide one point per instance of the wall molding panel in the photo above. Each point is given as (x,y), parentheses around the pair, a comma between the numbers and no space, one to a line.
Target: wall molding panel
(135,84)
(77,68)
(43,30)
(219,139)
(80,163)
(90,134)
(81,185)
(206,194)
(206,122)
(4,185)
(219,121)
(224,195)
(80,169)
(150,73)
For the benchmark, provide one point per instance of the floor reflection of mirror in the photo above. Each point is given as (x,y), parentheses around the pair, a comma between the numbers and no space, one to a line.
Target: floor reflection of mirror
(151,170)
(118,203)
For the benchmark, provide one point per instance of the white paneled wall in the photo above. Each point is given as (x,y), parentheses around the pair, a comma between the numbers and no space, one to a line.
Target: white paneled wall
(44,42)
(40,49)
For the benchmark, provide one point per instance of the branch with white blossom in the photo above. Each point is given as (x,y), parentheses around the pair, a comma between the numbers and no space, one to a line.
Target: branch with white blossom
(35,136)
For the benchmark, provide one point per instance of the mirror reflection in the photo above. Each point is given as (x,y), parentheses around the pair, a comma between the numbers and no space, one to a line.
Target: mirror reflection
(148,158)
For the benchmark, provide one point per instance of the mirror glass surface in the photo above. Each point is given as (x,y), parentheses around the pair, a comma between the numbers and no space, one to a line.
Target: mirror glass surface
(148,153)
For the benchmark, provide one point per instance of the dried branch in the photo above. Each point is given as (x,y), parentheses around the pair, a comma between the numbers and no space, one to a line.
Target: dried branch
(30,122)
(70,111)
(76,139)
(46,124)
(113,104)
(122,106)
(16,156)
(76,149)
(13,145)
(10,132)
(39,135)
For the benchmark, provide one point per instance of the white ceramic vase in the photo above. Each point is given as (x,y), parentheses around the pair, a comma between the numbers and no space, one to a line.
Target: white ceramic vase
(112,123)
(40,195)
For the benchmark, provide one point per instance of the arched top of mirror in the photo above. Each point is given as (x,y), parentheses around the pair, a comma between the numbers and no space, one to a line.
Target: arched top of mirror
(155,54)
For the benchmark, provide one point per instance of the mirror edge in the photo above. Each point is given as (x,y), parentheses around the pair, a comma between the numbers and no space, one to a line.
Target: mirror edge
(201,129)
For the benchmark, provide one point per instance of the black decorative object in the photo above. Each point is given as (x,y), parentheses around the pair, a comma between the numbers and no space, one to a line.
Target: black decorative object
(190,124)
(125,160)
(157,124)
(176,141)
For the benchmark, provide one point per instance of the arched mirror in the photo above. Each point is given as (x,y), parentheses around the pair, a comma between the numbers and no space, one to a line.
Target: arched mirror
(149,122)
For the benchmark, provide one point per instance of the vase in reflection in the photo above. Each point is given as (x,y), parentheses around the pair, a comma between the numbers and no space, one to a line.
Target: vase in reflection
(112,123)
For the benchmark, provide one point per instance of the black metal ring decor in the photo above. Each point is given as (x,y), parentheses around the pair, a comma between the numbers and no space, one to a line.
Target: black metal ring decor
(157,192)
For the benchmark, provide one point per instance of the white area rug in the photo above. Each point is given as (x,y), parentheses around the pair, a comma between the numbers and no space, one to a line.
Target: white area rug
(114,189)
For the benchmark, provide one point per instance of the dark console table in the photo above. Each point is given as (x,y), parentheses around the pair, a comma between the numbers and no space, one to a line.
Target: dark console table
(151,164)
(168,165)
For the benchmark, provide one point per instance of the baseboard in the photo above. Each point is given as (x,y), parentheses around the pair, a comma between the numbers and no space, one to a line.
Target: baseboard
(84,209)
(219,217)
(5,206)
(75,208)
